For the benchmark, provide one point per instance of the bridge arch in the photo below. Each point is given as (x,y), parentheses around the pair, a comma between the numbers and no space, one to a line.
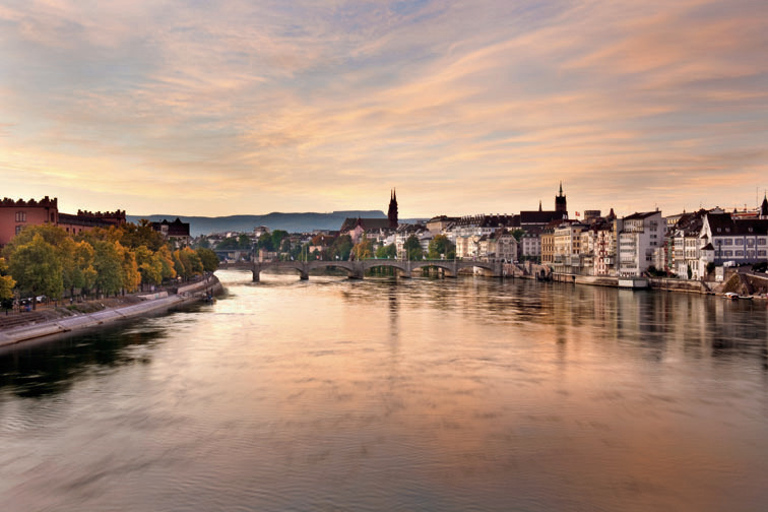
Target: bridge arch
(402,266)
(449,267)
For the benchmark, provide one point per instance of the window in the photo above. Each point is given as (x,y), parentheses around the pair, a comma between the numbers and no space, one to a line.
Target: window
(728,241)
(739,253)
(18,229)
(761,241)
(739,241)
(21,216)
(761,253)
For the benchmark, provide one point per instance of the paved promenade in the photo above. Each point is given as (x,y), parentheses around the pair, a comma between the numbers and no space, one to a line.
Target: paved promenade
(190,293)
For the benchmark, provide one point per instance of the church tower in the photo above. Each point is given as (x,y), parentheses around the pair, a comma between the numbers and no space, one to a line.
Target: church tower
(392,212)
(764,208)
(560,204)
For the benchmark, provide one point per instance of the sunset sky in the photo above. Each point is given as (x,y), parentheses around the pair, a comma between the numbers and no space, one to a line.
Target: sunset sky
(218,108)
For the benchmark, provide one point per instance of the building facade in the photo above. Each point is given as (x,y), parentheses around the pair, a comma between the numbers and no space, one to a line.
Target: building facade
(639,235)
(15,215)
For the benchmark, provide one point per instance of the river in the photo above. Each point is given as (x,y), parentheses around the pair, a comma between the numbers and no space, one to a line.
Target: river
(467,394)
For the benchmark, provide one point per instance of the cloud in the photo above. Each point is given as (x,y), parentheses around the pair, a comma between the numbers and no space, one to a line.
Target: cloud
(322,105)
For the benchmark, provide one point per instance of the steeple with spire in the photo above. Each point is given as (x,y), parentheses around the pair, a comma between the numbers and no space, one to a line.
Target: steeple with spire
(764,207)
(561,206)
(392,212)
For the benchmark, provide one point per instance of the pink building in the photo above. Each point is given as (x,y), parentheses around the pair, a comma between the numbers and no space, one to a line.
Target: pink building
(16,215)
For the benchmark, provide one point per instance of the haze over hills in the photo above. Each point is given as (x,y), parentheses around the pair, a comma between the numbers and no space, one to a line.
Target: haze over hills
(291,222)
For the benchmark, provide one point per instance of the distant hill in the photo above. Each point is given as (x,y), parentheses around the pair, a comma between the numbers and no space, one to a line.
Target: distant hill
(291,222)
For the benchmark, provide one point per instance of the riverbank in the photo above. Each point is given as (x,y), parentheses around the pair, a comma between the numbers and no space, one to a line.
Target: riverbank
(743,283)
(63,320)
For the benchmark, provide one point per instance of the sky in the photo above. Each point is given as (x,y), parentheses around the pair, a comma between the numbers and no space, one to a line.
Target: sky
(219,108)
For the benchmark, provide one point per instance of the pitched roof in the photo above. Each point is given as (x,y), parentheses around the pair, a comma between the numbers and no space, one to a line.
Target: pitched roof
(351,223)
(640,215)
(539,217)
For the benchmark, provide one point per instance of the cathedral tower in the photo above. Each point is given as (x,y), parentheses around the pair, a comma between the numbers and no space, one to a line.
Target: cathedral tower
(392,212)
(560,204)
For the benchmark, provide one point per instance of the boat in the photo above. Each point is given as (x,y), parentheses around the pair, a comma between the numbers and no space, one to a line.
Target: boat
(731,296)
(745,297)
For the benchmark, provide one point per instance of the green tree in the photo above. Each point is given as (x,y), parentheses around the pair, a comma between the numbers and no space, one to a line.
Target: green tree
(265,242)
(108,262)
(141,234)
(387,251)
(244,242)
(208,258)
(228,244)
(77,262)
(412,248)
(278,236)
(52,235)
(341,248)
(37,268)
(441,247)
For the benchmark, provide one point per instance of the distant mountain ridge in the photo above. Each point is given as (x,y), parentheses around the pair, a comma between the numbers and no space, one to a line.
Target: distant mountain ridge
(291,222)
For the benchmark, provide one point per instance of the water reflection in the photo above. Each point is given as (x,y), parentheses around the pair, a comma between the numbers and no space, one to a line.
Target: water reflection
(387,394)
(36,369)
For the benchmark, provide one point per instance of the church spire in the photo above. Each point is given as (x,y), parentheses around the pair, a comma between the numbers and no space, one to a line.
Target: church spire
(561,206)
(392,211)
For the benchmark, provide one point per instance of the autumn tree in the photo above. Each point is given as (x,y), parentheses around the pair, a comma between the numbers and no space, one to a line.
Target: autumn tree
(130,274)
(165,257)
(7,284)
(363,249)
(187,263)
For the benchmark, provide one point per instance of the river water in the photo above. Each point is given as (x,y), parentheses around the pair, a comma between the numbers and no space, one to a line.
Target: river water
(461,394)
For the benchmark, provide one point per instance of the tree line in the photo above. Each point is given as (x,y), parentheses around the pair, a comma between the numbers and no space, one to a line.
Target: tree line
(46,260)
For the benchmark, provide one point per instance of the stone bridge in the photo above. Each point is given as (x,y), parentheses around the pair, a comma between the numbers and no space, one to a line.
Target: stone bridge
(357,269)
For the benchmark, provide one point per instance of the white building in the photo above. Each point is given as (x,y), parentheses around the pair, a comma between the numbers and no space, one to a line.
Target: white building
(740,241)
(639,235)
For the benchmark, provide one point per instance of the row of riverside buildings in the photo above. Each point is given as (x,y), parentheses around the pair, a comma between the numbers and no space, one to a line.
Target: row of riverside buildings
(684,244)
(15,215)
